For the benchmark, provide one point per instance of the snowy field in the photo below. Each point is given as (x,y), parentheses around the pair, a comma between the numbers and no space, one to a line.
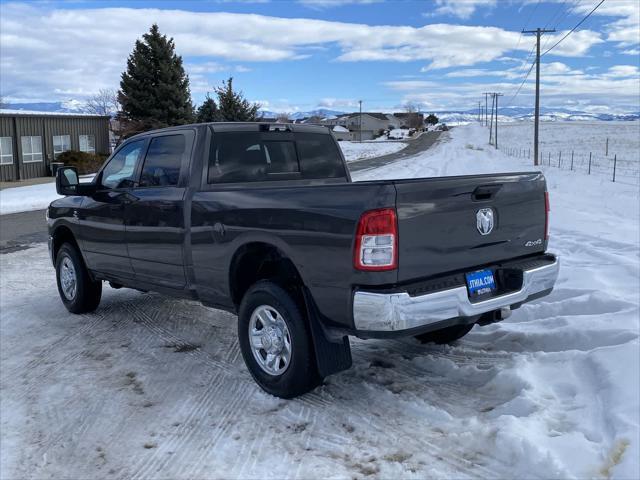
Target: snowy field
(354,151)
(559,139)
(149,387)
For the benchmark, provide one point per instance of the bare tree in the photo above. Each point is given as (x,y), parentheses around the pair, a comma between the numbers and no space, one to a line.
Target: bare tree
(105,102)
(283,117)
(414,119)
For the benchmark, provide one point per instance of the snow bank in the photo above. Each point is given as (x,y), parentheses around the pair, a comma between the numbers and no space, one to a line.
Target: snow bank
(31,197)
(354,151)
(23,199)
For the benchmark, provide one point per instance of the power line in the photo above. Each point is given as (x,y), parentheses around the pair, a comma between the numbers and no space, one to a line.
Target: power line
(574,28)
(520,87)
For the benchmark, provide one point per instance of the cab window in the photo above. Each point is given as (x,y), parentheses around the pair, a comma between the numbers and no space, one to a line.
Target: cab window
(121,169)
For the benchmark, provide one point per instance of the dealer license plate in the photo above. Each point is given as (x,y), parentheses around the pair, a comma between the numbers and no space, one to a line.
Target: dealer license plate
(480,282)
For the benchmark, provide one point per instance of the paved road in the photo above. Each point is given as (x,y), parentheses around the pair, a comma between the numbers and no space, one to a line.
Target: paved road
(20,229)
(17,230)
(414,147)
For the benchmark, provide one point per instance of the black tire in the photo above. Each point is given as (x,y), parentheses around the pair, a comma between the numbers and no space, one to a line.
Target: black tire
(446,335)
(87,292)
(301,373)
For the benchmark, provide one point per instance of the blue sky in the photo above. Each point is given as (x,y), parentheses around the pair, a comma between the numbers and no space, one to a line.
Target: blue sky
(299,55)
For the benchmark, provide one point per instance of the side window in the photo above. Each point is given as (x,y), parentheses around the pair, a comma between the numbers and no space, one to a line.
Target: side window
(121,169)
(237,157)
(246,157)
(162,164)
(319,156)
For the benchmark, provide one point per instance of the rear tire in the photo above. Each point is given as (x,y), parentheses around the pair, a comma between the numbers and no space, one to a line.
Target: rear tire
(78,292)
(275,340)
(446,335)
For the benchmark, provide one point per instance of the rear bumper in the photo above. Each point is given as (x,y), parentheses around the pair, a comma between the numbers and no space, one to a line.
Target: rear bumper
(397,311)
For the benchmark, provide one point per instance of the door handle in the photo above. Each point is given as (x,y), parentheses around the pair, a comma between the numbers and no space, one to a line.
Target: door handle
(128,198)
(485,192)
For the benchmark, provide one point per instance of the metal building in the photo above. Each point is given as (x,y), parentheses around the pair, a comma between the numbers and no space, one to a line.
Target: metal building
(30,141)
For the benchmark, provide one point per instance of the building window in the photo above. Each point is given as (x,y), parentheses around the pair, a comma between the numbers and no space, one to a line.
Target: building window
(87,143)
(31,149)
(61,143)
(6,150)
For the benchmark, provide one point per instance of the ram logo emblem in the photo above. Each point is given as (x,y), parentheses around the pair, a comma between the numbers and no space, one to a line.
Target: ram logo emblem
(484,221)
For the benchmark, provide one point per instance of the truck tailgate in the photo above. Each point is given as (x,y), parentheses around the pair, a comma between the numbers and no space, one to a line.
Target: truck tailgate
(443,222)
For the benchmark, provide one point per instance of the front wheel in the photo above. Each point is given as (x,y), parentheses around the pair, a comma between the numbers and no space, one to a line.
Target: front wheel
(446,335)
(275,341)
(78,292)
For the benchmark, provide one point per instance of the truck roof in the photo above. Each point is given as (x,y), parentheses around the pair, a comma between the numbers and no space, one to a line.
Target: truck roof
(246,127)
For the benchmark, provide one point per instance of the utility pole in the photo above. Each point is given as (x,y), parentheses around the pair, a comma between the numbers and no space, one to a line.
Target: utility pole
(360,122)
(479,112)
(491,123)
(497,95)
(538,32)
(486,109)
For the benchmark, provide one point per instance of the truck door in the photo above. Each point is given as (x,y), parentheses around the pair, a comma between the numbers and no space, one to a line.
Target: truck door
(155,220)
(102,216)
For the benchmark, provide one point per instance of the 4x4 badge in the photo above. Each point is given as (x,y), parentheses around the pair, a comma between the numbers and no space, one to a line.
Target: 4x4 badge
(484,221)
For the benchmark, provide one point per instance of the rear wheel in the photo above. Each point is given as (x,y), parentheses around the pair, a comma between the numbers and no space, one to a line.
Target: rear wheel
(276,342)
(78,292)
(446,335)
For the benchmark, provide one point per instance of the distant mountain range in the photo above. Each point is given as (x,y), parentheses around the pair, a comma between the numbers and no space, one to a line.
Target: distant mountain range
(506,114)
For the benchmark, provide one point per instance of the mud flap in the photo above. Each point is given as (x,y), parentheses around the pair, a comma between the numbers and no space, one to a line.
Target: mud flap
(332,355)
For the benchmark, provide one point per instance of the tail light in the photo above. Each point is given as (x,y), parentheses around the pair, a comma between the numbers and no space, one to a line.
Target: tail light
(547,209)
(377,241)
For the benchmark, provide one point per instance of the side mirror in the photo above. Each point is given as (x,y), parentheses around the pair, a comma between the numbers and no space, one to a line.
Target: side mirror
(67,181)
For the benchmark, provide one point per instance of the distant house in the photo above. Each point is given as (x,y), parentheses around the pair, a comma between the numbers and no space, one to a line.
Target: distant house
(30,141)
(341,133)
(365,126)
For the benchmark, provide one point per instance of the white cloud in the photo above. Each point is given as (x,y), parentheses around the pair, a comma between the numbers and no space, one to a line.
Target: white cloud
(461,8)
(631,51)
(623,71)
(617,87)
(626,29)
(338,103)
(82,50)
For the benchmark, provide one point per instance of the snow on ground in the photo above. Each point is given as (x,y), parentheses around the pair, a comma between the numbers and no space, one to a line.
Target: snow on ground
(150,387)
(559,139)
(354,151)
(30,197)
(23,199)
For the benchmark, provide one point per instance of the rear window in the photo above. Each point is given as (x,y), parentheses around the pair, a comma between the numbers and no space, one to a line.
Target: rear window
(319,156)
(162,164)
(252,157)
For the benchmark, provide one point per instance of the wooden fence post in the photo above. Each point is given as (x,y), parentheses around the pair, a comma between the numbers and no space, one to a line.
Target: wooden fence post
(572,160)
(560,159)
(589,163)
(615,160)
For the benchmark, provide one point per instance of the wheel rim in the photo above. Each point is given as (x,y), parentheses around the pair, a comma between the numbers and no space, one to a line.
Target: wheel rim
(270,340)
(68,278)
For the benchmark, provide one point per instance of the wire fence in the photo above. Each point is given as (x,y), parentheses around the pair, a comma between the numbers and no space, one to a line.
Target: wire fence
(614,168)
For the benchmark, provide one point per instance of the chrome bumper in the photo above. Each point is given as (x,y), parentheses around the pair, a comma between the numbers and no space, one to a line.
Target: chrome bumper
(400,311)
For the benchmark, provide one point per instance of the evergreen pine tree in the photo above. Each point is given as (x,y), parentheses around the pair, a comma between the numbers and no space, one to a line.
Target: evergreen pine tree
(154,90)
(233,107)
(208,111)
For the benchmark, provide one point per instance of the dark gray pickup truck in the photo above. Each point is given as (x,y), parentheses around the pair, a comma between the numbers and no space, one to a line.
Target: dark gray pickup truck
(263,220)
